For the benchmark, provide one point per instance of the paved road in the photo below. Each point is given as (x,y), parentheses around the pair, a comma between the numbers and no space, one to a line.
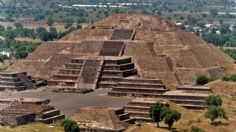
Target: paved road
(68,103)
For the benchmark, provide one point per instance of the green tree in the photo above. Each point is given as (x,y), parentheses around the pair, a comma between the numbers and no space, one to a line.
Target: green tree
(53,33)
(213,100)
(214,12)
(18,25)
(70,126)
(155,112)
(215,112)
(10,33)
(171,117)
(21,52)
(224,29)
(50,21)
(201,80)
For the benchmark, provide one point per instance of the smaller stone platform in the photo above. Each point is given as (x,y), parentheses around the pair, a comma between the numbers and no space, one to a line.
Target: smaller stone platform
(102,119)
(24,111)
(188,96)
(15,81)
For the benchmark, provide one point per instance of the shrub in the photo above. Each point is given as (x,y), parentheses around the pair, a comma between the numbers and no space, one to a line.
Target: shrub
(225,78)
(213,100)
(171,117)
(201,80)
(70,126)
(229,78)
(196,129)
(215,112)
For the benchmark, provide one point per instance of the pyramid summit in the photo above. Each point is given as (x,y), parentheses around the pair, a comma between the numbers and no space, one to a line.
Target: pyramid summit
(144,46)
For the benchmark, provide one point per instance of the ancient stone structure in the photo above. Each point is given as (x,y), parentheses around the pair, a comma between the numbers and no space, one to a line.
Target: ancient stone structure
(15,81)
(159,49)
(133,55)
(24,112)
(92,119)
(191,97)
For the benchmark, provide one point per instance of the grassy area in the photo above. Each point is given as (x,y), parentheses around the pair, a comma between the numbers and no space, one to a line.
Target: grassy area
(5,65)
(35,127)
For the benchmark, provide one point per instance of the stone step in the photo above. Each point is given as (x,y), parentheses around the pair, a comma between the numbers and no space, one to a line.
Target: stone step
(184,97)
(123,116)
(61,82)
(133,89)
(193,107)
(110,78)
(133,94)
(194,88)
(52,119)
(129,121)
(12,79)
(50,113)
(12,88)
(142,81)
(136,108)
(184,101)
(141,104)
(77,61)
(138,114)
(140,85)
(73,66)
(10,83)
(71,90)
(120,61)
(125,66)
(106,84)
(65,76)
(124,73)
(69,71)
(142,119)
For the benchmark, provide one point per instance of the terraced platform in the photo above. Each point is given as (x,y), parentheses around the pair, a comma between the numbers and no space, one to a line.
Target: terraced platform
(24,113)
(15,81)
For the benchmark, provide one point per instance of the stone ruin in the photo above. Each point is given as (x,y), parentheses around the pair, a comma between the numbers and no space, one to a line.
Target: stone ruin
(15,81)
(132,59)
(102,119)
(24,111)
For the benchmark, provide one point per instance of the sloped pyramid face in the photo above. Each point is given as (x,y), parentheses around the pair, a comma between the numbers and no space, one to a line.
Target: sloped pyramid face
(158,48)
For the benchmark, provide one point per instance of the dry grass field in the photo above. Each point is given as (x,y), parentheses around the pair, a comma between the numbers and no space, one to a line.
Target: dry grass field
(35,127)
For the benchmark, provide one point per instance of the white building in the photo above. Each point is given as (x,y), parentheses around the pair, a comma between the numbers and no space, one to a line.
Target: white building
(8,54)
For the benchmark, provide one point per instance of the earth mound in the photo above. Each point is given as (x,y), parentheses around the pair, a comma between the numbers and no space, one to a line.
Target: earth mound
(159,49)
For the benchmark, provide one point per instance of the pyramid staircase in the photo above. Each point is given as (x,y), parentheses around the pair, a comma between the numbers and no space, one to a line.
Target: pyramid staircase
(124,117)
(50,115)
(114,70)
(79,76)
(15,81)
(138,109)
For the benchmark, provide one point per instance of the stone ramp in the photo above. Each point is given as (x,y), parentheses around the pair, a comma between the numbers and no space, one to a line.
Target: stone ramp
(123,34)
(90,74)
(112,48)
